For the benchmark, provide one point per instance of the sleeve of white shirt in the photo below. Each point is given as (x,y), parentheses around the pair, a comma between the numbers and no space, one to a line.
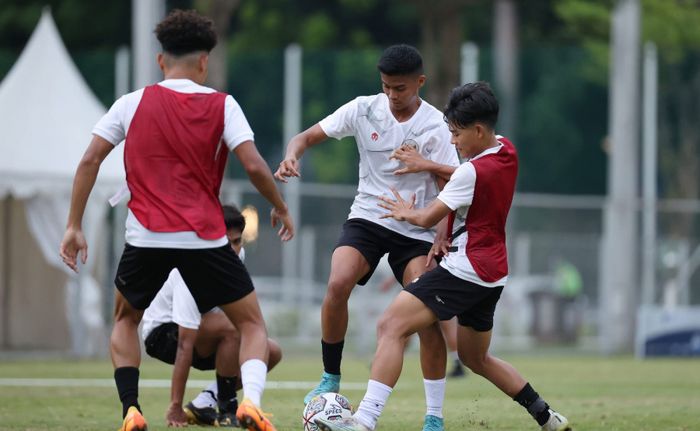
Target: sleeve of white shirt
(444,153)
(236,127)
(341,123)
(185,311)
(111,126)
(459,191)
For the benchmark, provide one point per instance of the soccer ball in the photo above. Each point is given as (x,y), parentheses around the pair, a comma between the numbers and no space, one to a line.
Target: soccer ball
(329,406)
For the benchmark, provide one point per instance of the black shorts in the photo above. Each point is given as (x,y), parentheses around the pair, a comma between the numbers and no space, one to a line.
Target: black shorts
(214,276)
(374,241)
(161,344)
(448,296)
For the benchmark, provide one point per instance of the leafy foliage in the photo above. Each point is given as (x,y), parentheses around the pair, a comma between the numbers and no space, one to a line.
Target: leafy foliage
(564,62)
(83,24)
(674,26)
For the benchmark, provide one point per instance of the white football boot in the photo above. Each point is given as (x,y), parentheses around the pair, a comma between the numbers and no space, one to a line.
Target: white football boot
(556,422)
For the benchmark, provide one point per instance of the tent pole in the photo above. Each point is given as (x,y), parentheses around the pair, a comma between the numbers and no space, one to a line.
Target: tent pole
(5,291)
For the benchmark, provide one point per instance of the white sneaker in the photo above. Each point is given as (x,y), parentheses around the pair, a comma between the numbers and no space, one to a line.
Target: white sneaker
(345,424)
(556,422)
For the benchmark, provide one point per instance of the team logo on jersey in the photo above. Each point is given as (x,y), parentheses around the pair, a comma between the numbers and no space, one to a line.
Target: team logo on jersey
(410,143)
(374,136)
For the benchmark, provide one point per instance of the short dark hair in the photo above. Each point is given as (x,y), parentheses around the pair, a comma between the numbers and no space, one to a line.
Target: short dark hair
(233,219)
(472,103)
(185,31)
(400,60)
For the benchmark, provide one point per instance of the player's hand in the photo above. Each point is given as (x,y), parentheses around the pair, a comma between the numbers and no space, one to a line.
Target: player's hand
(441,248)
(410,158)
(288,167)
(283,217)
(175,416)
(73,243)
(399,208)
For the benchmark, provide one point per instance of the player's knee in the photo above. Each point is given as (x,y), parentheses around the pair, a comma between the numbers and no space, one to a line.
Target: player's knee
(231,336)
(124,314)
(252,329)
(338,291)
(390,327)
(476,363)
(432,337)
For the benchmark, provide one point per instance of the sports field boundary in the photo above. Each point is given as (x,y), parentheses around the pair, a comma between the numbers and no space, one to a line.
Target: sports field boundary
(154,383)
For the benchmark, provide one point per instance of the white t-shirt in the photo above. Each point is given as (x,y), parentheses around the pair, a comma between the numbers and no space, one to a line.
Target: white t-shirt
(114,126)
(457,195)
(377,134)
(174,303)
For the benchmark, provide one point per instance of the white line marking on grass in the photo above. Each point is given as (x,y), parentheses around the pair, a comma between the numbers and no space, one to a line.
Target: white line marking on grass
(156,383)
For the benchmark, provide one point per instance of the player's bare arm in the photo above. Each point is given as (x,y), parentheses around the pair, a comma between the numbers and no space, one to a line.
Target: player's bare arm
(85,175)
(441,244)
(413,162)
(261,177)
(289,167)
(175,416)
(402,210)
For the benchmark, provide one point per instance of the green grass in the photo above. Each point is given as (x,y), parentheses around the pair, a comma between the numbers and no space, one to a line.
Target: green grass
(594,393)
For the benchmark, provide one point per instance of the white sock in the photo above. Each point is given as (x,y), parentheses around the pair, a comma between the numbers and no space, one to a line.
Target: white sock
(253,375)
(434,396)
(205,398)
(455,356)
(372,404)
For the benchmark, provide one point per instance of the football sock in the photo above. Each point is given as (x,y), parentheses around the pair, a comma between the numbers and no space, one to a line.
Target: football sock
(227,392)
(332,356)
(535,405)
(372,404)
(434,396)
(206,398)
(253,375)
(127,380)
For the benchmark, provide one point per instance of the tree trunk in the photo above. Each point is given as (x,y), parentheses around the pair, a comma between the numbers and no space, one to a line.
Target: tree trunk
(220,11)
(505,41)
(688,156)
(441,39)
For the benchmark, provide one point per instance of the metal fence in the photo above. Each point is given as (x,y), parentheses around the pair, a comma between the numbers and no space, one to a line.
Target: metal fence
(544,232)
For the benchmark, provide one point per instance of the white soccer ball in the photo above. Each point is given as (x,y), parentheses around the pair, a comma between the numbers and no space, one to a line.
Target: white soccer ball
(329,406)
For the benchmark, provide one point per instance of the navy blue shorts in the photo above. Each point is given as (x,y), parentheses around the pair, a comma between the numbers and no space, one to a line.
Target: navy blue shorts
(214,276)
(374,241)
(448,296)
(161,344)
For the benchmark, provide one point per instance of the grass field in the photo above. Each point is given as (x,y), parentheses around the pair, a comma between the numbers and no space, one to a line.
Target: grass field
(618,394)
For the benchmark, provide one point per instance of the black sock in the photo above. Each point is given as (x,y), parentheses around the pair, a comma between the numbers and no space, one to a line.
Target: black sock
(127,379)
(227,393)
(535,405)
(332,355)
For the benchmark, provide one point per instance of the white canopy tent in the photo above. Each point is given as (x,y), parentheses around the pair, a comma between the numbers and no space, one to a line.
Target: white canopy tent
(47,112)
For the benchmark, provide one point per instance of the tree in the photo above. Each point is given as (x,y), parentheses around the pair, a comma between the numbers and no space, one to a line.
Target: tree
(220,11)
(83,24)
(673,26)
(442,34)
(506,62)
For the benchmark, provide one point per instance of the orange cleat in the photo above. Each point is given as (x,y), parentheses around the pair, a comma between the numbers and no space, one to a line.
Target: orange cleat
(134,421)
(252,418)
